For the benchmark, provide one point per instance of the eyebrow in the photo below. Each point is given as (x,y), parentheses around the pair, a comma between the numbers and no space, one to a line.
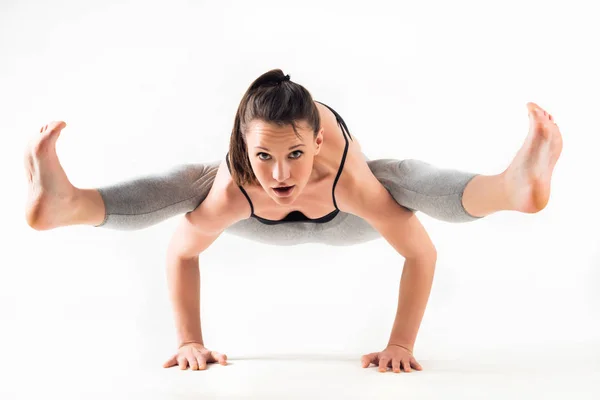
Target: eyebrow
(293,147)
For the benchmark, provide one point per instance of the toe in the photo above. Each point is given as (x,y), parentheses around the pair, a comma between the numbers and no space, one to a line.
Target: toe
(534,110)
(57,125)
(533,107)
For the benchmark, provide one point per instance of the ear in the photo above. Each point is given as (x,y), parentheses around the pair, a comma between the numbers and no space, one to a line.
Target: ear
(319,141)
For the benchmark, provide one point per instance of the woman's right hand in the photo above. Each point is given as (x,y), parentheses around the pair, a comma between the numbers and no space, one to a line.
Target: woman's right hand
(196,355)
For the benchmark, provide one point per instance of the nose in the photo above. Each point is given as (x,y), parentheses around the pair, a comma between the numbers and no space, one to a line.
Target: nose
(281,172)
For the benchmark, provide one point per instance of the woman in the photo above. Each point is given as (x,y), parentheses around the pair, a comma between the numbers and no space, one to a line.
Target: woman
(294,174)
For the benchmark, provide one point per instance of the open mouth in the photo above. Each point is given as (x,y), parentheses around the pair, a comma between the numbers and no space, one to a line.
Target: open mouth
(284,191)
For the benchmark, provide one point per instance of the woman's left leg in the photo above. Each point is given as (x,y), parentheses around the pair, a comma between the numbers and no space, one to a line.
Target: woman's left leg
(525,185)
(458,196)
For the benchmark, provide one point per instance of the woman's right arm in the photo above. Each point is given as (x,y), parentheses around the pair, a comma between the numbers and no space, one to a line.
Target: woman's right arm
(183,276)
(195,233)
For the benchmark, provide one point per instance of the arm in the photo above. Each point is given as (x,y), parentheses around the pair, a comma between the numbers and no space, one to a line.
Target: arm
(415,287)
(402,229)
(195,233)
(406,234)
(183,276)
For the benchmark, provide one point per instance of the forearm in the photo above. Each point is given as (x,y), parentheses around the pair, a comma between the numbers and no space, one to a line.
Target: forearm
(415,287)
(183,277)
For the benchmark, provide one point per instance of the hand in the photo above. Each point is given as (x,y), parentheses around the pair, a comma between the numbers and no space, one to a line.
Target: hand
(196,355)
(394,354)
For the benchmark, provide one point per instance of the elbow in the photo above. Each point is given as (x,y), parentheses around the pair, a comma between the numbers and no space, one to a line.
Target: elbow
(433,253)
(176,253)
(177,257)
(428,256)
(180,248)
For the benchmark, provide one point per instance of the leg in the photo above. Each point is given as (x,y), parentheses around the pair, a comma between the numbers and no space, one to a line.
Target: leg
(53,201)
(148,200)
(486,194)
(457,196)
(525,185)
(420,186)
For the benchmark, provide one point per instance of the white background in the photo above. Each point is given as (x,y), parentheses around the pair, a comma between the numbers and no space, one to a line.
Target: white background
(143,86)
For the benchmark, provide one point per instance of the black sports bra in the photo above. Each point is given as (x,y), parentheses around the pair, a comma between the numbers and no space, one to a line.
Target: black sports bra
(297,216)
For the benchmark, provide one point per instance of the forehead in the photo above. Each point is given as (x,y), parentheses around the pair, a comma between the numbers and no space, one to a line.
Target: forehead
(261,132)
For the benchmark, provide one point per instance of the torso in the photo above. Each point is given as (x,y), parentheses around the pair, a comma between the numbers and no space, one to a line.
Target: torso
(316,200)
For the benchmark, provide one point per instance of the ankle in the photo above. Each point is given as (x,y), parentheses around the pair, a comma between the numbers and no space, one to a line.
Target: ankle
(88,207)
(487,194)
(506,201)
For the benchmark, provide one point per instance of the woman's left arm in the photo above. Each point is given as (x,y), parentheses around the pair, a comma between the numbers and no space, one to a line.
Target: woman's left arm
(415,287)
(371,201)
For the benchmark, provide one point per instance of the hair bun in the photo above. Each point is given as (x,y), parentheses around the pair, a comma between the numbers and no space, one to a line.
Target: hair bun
(278,81)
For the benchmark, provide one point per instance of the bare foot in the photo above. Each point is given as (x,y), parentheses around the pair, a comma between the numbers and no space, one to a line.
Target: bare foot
(51,197)
(528,176)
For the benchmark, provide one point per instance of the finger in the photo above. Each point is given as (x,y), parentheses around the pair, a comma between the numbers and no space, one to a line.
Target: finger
(416,365)
(383,364)
(171,363)
(193,363)
(201,362)
(216,357)
(374,359)
(365,361)
(182,362)
(396,365)
(406,365)
(200,359)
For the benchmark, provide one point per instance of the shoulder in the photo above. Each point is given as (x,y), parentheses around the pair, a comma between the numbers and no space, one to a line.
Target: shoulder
(363,195)
(224,205)
(359,192)
(332,132)
(325,114)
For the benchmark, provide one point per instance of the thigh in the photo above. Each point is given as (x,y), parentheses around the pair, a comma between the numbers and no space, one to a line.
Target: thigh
(421,186)
(147,200)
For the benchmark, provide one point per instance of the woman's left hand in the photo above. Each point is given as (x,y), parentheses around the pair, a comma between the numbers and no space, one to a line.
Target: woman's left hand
(395,355)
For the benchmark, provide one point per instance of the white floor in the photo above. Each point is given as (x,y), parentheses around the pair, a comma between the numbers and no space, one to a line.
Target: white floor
(558,374)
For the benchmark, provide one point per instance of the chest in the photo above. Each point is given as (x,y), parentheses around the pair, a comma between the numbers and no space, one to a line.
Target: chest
(317,198)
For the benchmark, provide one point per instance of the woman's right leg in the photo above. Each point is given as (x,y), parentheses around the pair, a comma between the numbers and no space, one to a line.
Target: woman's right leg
(135,204)
(147,200)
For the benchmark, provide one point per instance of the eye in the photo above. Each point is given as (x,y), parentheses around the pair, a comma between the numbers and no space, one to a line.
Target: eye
(298,152)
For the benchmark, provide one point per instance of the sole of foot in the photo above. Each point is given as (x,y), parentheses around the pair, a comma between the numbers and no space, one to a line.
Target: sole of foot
(51,197)
(528,178)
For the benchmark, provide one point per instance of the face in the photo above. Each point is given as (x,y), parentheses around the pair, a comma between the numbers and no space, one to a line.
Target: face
(279,158)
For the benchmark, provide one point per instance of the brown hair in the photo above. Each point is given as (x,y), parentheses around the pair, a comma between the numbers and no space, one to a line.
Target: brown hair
(271,98)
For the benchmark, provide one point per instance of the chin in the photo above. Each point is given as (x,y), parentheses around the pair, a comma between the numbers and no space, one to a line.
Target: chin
(286,200)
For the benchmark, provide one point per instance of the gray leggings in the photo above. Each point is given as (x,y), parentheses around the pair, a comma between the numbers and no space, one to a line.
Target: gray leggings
(414,184)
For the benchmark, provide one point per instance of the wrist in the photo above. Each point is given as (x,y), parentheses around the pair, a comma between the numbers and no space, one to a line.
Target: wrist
(181,344)
(407,347)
